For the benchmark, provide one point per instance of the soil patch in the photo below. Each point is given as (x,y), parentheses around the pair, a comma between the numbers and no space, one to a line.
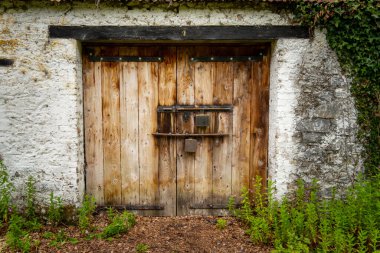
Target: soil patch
(161,234)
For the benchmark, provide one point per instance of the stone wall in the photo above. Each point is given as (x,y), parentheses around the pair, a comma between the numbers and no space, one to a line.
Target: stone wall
(312,116)
(326,120)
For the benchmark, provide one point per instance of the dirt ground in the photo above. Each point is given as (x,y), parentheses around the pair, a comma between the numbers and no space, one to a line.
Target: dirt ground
(161,234)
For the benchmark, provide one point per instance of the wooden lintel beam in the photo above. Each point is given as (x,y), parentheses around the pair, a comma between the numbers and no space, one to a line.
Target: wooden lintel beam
(178,33)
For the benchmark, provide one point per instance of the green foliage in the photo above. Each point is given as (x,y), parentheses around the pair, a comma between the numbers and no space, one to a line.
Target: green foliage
(221,224)
(353,32)
(31,223)
(85,213)
(30,210)
(59,239)
(142,248)
(120,223)
(17,238)
(6,189)
(305,223)
(55,212)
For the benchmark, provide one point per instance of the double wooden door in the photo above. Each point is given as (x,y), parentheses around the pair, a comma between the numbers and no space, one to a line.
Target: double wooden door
(174,130)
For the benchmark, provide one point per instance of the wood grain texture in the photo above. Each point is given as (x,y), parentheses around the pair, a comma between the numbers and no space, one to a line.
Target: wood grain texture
(167,94)
(241,127)
(129,124)
(259,121)
(93,127)
(256,130)
(203,95)
(222,148)
(111,130)
(264,102)
(185,161)
(148,150)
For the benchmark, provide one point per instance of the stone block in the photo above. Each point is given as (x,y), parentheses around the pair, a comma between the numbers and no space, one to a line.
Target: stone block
(327,111)
(341,93)
(312,137)
(318,125)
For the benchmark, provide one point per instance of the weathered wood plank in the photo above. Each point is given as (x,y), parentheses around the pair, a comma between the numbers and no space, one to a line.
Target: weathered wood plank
(255,128)
(167,93)
(241,127)
(222,148)
(148,150)
(129,127)
(178,33)
(185,161)
(264,119)
(111,130)
(203,92)
(259,121)
(92,94)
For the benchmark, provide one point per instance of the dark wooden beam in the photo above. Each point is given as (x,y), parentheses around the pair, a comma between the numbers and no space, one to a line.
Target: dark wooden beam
(6,62)
(177,33)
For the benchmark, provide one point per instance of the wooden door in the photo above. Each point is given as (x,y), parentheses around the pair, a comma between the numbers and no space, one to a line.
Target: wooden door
(144,105)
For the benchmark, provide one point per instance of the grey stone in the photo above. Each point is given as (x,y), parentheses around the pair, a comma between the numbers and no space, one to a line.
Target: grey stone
(336,81)
(341,93)
(326,96)
(315,125)
(327,111)
(311,137)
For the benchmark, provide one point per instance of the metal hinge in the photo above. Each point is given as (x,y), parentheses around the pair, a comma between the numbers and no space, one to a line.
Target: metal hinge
(253,58)
(93,58)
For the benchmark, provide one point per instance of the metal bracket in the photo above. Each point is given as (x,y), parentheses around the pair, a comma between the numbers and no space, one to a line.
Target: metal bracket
(190,135)
(202,120)
(6,62)
(125,58)
(132,207)
(193,108)
(253,58)
(191,145)
(211,206)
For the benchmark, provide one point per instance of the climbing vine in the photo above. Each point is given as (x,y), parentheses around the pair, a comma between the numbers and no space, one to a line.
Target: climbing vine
(353,31)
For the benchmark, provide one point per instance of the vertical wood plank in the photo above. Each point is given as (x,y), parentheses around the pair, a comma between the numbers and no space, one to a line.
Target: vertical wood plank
(222,156)
(148,150)
(259,121)
(203,93)
(255,128)
(167,146)
(264,119)
(111,129)
(129,126)
(185,161)
(241,127)
(92,94)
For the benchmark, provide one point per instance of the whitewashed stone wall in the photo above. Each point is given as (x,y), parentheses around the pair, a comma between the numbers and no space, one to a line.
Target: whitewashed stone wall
(41,118)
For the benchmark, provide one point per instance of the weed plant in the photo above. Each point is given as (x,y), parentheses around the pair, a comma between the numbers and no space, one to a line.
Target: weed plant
(85,213)
(31,221)
(221,224)
(142,248)
(6,189)
(30,210)
(55,212)
(17,237)
(120,223)
(59,239)
(308,223)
